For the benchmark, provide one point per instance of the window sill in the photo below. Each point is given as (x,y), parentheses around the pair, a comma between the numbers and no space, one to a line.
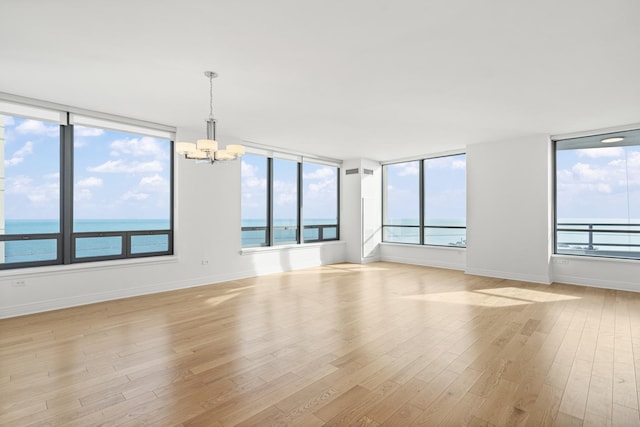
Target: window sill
(417,245)
(566,258)
(278,248)
(86,266)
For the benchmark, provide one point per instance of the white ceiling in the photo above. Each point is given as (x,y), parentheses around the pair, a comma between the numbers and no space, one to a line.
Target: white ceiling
(339,78)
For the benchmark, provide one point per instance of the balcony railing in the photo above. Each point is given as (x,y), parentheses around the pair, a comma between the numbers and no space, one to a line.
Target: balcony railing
(598,239)
(283,234)
(434,235)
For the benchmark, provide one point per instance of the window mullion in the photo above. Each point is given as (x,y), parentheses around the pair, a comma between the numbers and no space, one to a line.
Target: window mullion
(300,237)
(422,198)
(270,201)
(66,193)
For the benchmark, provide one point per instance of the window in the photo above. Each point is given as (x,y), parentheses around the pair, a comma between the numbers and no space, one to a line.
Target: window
(445,201)
(282,195)
(30,197)
(77,193)
(424,201)
(320,202)
(402,202)
(284,187)
(255,202)
(598,195)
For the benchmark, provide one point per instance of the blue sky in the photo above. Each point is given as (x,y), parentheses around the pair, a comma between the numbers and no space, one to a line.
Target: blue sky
(116,175)
(319,191)
(599,183)
(445,191)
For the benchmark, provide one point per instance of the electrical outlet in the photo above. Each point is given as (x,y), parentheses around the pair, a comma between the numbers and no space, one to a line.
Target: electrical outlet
(19,283)
(205,262)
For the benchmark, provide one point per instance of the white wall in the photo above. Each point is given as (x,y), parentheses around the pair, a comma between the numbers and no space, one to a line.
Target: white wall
(430,256)
(207,229)
(508,209)
(508,236)
(361,210)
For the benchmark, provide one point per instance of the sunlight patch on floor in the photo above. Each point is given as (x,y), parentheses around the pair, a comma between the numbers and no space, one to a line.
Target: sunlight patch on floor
(213,301)
(527,294)
(499,297)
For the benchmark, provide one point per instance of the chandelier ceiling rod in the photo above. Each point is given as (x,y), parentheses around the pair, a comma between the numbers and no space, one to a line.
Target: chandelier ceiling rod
(207,149)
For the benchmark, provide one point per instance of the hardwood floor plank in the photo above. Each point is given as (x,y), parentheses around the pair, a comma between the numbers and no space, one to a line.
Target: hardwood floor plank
(376,344)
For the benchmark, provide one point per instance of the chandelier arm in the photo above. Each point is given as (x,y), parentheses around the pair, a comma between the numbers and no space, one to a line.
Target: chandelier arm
(205,149)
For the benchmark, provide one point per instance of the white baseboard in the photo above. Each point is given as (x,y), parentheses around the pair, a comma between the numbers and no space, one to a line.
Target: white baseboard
(74,301)
(617,285)
(425,262)
(534,278)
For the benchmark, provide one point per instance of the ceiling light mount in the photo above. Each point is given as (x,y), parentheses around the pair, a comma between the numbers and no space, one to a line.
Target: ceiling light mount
(207,149)
(612,140)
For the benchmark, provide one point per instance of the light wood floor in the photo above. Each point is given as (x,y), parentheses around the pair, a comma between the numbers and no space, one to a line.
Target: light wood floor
(379,344)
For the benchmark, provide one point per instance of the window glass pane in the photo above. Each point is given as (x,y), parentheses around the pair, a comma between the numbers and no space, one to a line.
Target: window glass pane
(254,200)
(28,250)
(445,200)
(285,201)
(150,243)
(98,246)
(30,197)
(320,201)
(122,181)
(598,196)
(402,202)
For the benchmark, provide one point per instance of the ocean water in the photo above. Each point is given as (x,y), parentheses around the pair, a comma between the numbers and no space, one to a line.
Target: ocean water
(397,231)
(47,249)
(254,231)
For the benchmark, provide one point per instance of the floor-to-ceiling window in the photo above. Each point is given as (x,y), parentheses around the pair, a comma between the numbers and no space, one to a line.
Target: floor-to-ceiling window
(597,204)
(424,201)
(284,194)
(320,206)
(79,189)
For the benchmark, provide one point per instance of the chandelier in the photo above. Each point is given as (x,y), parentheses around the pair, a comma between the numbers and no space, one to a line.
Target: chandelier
(207,149)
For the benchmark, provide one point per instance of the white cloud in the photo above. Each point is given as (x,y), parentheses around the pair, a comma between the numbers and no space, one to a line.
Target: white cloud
(82,194)
(85,131)
(55,175)
(598,152)
(285,192)
(134,195)
(138,147)
(608,178)
(249,179)
(409,169)
(26,149)
(154,181)
(322,173)
(13,161)
(19,155)
(8,120)
(36,192)
(121,166)
(35,127)
(79,143)
(588,174)
(92,181)
(459,164)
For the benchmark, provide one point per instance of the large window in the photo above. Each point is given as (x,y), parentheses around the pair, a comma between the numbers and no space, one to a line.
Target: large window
(320,202)
(283,195)
(424,201)
(30,198)
(76,193)
(598,195)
